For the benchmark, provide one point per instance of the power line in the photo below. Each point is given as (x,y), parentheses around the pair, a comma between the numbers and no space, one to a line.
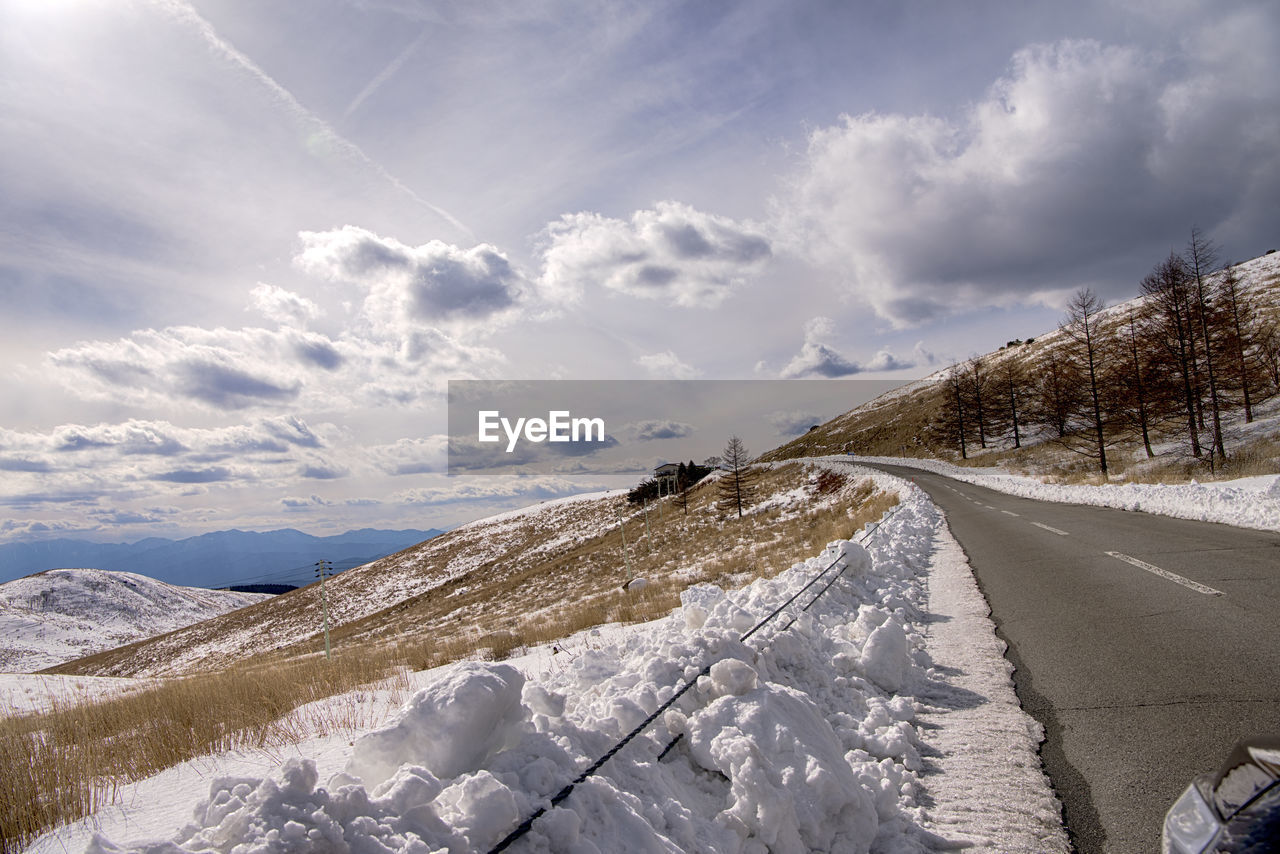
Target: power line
(526,825)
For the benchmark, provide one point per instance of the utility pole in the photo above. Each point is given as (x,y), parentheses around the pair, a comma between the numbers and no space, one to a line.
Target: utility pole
(324,569)
(648,538)
(626,558)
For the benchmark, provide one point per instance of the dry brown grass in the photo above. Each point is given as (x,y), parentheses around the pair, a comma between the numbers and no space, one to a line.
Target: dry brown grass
(548,597)
(65,763)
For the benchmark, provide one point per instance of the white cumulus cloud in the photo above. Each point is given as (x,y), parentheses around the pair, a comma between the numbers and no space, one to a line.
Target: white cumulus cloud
(437,284)
(1084,160)
(671,253)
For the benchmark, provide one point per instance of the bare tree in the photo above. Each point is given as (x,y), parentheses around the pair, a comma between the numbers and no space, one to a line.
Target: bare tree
(1054,394)
(977,383)
(1201,255)
(1243,331)
(952,415)
(1085,348)
(1167,288)
(737,484)
(1130,394)
(1013,383)
(1269,354)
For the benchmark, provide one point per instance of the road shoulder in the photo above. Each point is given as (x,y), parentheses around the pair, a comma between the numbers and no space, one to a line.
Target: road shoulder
(983,769)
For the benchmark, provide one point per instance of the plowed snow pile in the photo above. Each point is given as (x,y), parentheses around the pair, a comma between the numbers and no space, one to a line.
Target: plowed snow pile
(796,740)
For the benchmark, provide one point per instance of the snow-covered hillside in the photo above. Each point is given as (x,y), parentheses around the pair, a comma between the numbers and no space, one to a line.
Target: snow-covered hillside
(881,719)
(63,614)
(359,593)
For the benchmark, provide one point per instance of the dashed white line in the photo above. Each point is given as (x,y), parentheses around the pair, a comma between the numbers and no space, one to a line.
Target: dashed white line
(1051,529)
(1167,575)
(1011,513)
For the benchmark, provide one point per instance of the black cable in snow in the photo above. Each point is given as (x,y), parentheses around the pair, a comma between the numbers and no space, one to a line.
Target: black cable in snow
(527,825)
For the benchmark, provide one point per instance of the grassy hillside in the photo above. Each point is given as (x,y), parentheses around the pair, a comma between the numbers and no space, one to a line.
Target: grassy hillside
(904,422)
(519,578)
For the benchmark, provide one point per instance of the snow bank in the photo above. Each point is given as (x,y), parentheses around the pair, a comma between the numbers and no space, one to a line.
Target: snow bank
(1252,502)
(449,727)
(797,740)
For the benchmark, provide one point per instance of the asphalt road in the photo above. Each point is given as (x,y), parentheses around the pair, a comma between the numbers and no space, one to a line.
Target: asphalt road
(1141,680)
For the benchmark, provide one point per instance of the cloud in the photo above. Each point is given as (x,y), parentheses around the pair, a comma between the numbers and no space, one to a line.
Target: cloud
(24,464)
(293,430)
(218,368)
(284,307)
(816,359)
(252,368)
(1080,165)
(650,430)
(411,456)
(883,360)
(467,454)
(132,437)
(213,474)
(667,365)
(16,530)
(207,378)
(318,350)
(323,470)
(793,423)
(437,283)
(491,489)
(292,503)
(672,253)
(124,517)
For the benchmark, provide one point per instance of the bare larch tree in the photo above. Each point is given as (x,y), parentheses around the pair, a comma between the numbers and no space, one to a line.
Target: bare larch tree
(737,484)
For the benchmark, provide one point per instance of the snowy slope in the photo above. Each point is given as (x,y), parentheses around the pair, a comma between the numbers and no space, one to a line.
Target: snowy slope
(367,590)
(812,737)
(63,614)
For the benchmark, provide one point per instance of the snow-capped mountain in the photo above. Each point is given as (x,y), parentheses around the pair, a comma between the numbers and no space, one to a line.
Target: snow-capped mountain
(63,614)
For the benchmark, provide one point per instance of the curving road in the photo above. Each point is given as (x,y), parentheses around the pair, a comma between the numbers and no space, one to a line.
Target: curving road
(1145,645)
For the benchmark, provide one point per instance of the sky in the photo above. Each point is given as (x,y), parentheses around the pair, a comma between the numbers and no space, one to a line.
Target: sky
(245,245)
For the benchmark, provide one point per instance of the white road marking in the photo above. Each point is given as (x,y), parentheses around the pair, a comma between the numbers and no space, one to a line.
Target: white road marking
(1167,575)
(1010,513)
(1051,529)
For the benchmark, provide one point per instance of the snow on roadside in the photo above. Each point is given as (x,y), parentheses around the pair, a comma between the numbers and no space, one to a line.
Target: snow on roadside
(989,787)
(798,740)
(1250,502)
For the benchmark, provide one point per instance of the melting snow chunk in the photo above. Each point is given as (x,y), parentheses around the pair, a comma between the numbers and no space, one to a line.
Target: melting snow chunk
(449,727)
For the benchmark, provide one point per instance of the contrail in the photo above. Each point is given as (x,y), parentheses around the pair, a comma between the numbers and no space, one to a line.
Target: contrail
(188,15)
(383,76)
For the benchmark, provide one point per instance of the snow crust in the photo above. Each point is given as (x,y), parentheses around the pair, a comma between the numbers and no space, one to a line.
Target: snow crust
(64,614)
(797,740)
(1250,502)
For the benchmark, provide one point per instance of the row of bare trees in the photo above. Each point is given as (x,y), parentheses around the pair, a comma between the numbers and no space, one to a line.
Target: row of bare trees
(1173,364)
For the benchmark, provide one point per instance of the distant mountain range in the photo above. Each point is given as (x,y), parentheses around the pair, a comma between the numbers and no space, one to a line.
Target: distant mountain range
(220,559)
